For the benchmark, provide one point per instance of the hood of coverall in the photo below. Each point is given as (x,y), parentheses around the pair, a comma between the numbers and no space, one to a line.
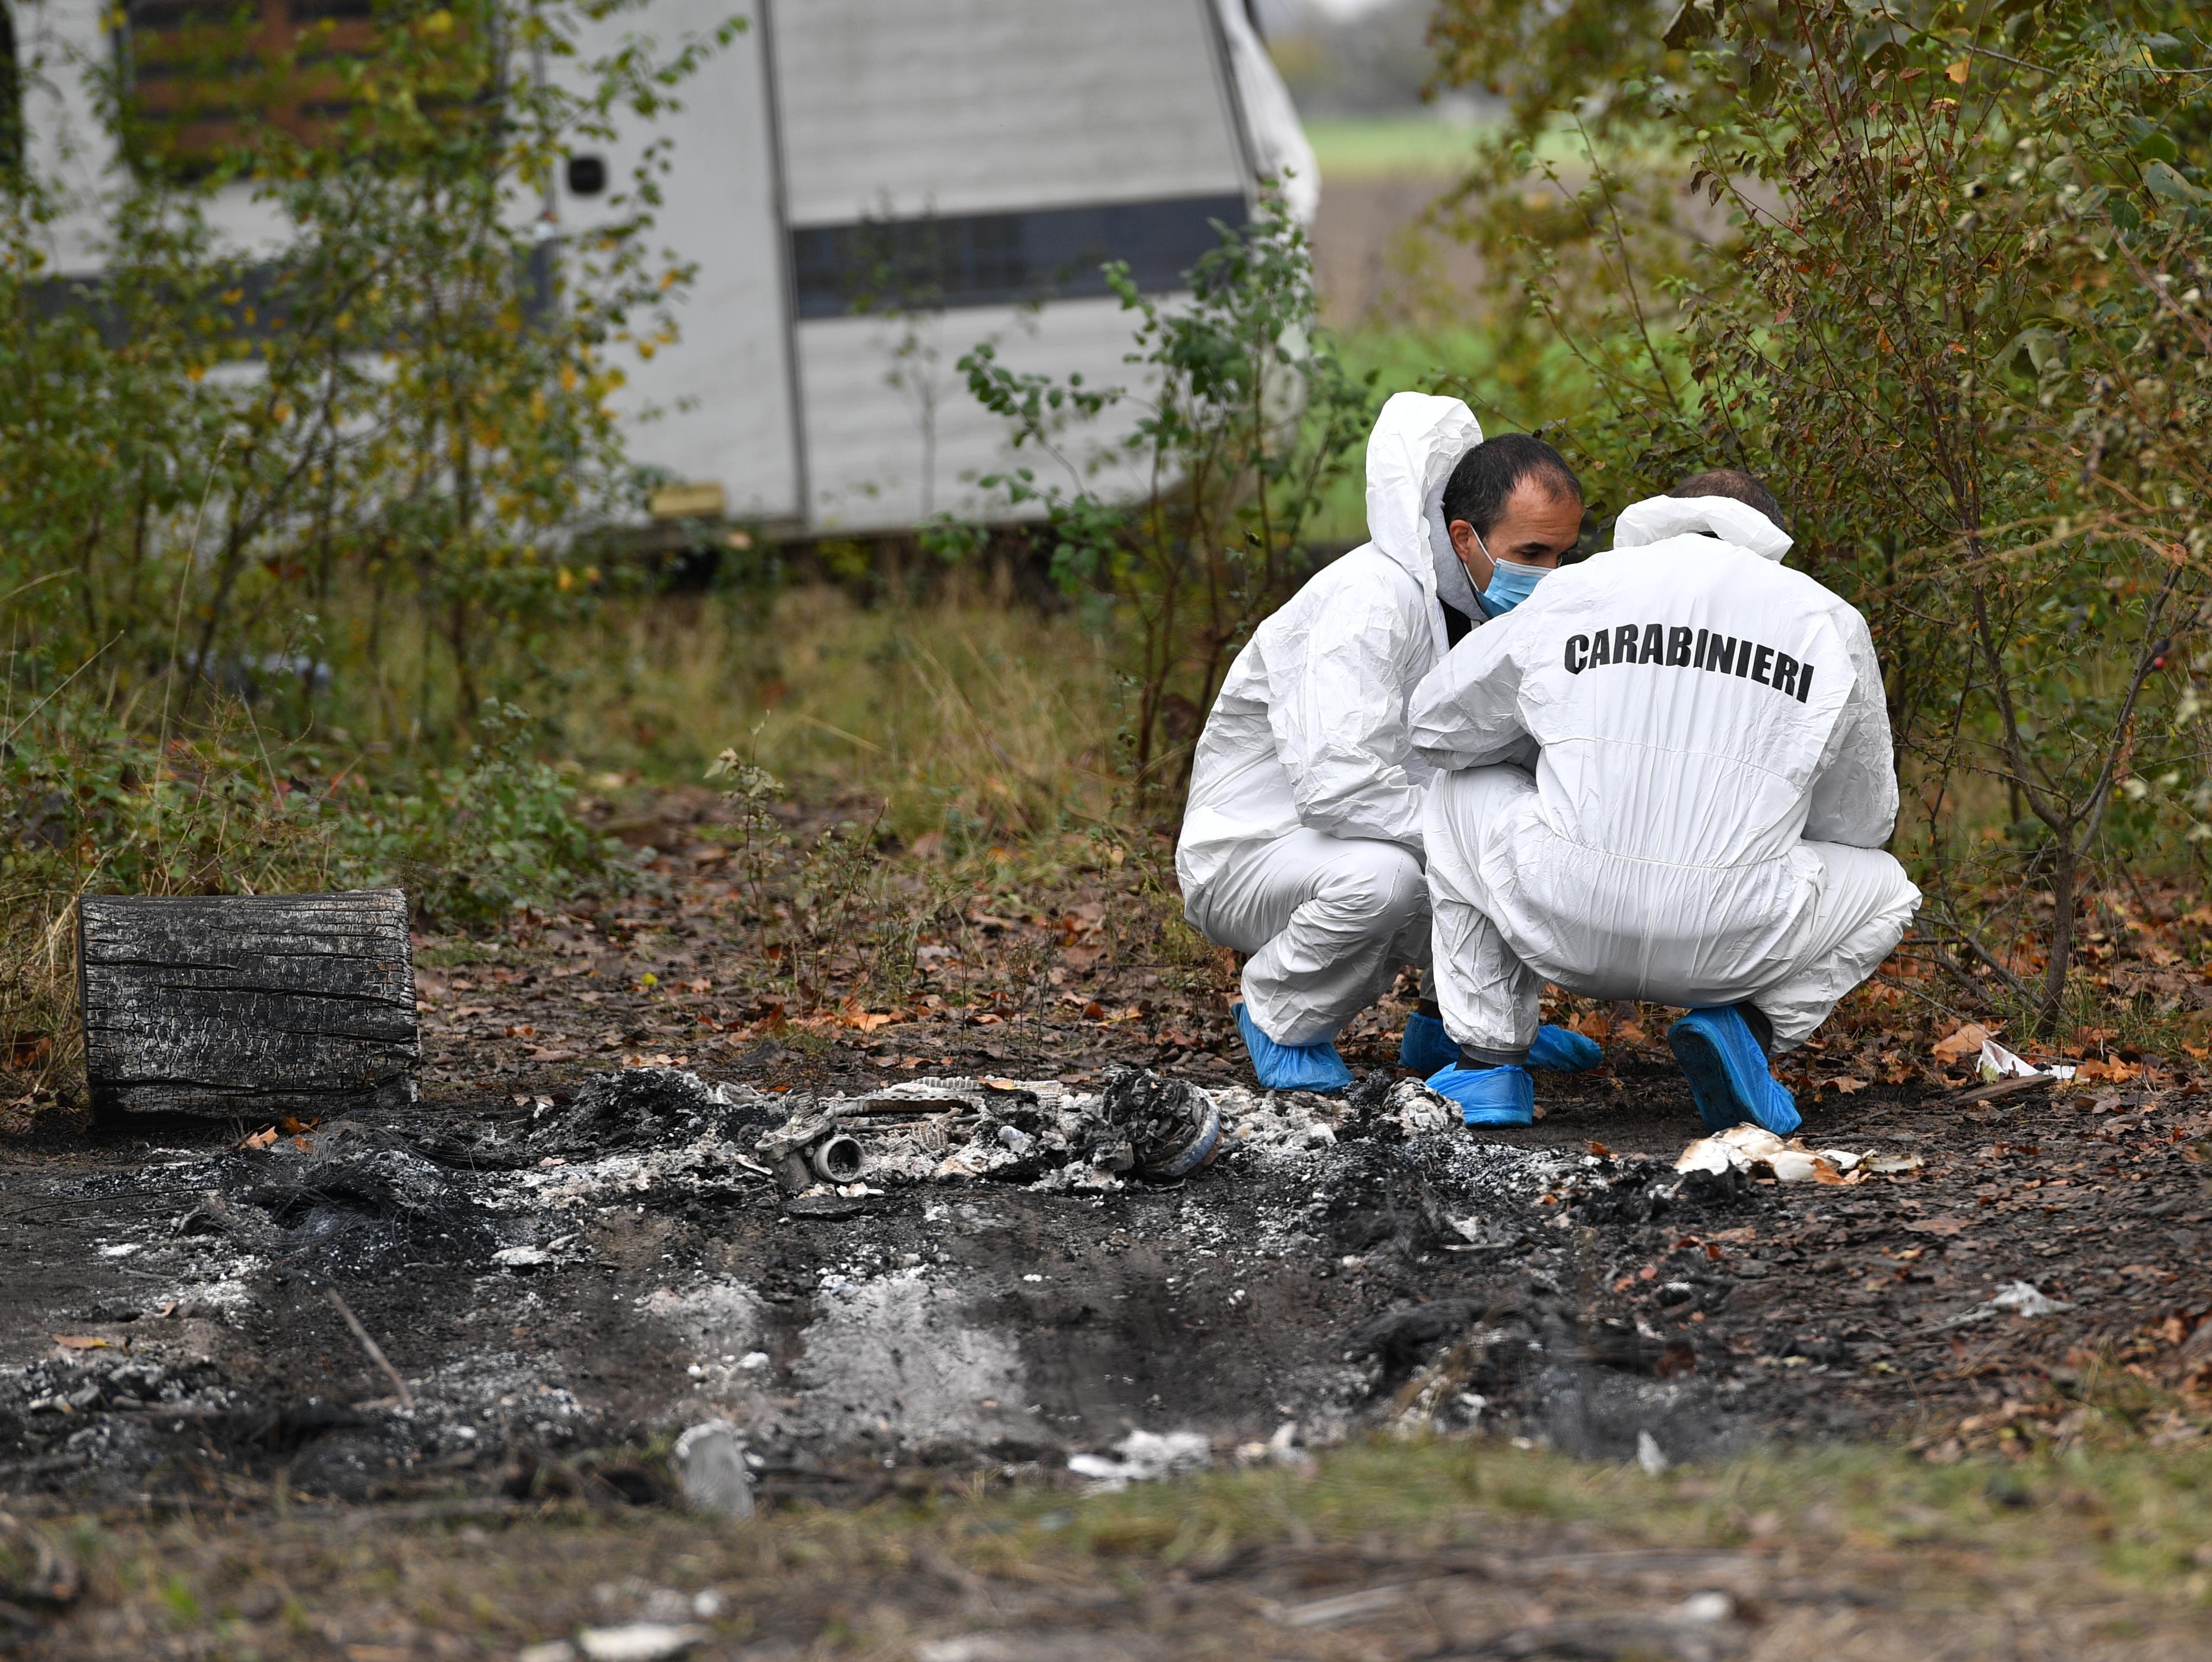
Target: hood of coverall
(1655,518)
(1417,442)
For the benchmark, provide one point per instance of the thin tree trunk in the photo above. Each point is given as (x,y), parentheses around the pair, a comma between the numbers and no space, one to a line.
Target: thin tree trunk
(2062,935)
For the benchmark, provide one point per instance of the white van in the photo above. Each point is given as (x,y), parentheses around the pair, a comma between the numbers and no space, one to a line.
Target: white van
(992,152)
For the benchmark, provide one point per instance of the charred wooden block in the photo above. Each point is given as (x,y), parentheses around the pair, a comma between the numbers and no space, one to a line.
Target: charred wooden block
(241,1005)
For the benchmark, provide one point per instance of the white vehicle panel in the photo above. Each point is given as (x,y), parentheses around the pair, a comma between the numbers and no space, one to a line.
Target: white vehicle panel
(720,398)
(869,439)
(965,107)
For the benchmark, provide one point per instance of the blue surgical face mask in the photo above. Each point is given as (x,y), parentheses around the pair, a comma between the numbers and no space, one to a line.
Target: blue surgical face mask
(1509,584)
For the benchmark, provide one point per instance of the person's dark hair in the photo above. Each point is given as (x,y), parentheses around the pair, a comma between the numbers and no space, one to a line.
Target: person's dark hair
(1738,486)
(1487,475)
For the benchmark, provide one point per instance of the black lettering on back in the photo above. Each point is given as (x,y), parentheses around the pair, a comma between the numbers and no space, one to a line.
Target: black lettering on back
(1785,673)
(1578,652)
(1623,644)
(1655,643)
(1601,647)
(1678,648)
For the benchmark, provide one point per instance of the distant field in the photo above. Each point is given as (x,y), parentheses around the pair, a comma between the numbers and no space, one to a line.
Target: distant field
(1366,147)
(1356,147)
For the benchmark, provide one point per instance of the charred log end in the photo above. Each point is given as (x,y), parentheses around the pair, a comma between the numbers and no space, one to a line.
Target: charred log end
(236,1006)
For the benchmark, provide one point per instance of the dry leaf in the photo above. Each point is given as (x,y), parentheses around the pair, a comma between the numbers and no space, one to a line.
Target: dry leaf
(260,1139)
(1940,1226)
(1957,72)
(1848,1086)
(81,1342)
(1967,1041)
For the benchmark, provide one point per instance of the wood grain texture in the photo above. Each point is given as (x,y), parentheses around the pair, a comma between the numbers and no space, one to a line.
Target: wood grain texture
(241,1005)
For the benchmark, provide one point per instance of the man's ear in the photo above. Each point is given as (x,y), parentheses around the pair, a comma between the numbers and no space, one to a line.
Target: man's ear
(1480,568)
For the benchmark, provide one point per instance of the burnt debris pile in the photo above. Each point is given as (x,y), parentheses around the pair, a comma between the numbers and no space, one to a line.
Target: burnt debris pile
(642,1108)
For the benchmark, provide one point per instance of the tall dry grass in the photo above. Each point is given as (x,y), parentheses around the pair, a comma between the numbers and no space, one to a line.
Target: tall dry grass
(966,716)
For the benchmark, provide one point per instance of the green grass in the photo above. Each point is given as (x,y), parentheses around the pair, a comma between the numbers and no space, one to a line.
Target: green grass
(1351,148)
(2086,1536)
(1369,147)
(1510,391)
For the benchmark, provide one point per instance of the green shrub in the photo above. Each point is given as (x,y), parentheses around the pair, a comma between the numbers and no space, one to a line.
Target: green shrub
(474,842)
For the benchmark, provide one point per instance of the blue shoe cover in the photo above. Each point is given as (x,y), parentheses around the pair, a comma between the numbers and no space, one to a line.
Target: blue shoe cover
(1292,1067)
(1426,1046)
(1728,1073)
(1563,1051)
(1489,1096)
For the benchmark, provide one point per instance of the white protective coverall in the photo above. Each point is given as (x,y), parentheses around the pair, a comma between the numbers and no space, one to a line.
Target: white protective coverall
(1712,786)
(1301,843)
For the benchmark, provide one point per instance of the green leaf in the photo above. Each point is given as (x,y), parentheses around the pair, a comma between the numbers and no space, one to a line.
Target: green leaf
(2155,146)
(2164,181)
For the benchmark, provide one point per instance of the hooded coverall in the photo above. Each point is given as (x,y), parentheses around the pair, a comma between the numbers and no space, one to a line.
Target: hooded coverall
(1712,786)
(1301,841)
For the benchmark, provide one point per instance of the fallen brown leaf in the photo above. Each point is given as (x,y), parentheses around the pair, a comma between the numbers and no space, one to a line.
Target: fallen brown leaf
(1967,1041)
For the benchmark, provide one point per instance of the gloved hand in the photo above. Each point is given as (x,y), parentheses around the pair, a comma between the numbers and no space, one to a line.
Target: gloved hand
(1292,1067)
(1426,1046)
(1489,1096)
(1727,1073)
(1563,1050)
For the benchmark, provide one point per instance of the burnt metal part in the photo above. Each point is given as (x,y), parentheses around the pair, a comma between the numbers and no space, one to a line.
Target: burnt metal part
(837,1159)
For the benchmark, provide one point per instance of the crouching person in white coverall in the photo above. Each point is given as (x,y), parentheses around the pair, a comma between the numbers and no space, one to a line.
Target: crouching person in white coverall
(1301,841)
(1668,779)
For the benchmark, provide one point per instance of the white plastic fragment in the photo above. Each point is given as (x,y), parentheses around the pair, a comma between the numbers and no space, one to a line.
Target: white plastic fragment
(1650,1455)
(1702,1609)
(1749,1148)
(640,1641)
(710,1467)
(1998,1063)
(2024,1298)
(1145,1456)
(1792,1165)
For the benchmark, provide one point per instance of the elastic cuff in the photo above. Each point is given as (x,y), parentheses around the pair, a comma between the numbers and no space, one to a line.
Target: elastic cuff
(1761,1028)
(1476,1056)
